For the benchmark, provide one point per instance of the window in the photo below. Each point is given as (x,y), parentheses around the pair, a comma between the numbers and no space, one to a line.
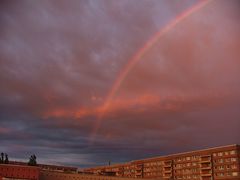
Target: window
(194,170)
(232,152)
(228,174)
(227,159)
(179,165)
(220,154)
(234,173)
(226,153)
(219,174)
(194,157)
(220,160)
(194,177)
(233,159)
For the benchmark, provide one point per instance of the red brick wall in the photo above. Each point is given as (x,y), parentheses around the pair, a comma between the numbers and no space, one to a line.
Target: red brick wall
(51,175)
(15,171)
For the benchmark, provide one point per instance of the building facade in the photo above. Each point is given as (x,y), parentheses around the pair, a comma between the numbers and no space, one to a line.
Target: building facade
(23,172)
(17,172)
(51,175)
(48,167)
(220,163)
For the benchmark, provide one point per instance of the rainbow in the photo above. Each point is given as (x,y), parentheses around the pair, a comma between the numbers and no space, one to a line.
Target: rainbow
(140,53)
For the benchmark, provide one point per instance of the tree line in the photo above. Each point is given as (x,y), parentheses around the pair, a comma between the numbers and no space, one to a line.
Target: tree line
(4,158)
(32,160)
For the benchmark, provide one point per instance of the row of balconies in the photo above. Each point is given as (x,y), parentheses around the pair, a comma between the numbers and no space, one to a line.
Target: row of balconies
(206,178)
(203,166)
(187,173)
(206,172)
(206,165)
(140,170)
(185,166)
(203,173)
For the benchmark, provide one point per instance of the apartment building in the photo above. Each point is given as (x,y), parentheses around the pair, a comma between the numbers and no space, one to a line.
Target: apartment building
(219,163)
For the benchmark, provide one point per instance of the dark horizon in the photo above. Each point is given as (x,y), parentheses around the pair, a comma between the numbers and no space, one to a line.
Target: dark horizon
(68,95)
(144,158)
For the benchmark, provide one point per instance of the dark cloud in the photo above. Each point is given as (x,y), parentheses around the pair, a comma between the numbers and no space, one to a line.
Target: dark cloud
(59,61)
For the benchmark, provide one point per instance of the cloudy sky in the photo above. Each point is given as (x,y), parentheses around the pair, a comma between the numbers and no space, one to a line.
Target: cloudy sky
(60,61)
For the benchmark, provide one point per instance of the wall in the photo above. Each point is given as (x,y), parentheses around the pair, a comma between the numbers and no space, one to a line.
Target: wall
(19,172)
(48,175)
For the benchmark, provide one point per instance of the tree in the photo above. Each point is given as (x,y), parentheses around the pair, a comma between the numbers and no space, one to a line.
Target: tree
(6,161)
(2,158)
(32,160)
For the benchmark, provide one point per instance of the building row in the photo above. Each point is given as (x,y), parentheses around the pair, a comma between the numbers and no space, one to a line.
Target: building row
(48,167)
(219,163)
(24,172)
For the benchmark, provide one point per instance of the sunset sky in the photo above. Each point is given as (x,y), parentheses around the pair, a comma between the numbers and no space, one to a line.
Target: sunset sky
(69,94)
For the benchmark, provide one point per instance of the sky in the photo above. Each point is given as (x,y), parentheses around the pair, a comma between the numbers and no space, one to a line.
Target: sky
(60,61)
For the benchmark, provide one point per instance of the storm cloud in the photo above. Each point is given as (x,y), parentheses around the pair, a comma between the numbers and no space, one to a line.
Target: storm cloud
(60,59)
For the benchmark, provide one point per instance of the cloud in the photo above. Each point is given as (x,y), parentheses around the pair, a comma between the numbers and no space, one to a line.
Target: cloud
(59,61)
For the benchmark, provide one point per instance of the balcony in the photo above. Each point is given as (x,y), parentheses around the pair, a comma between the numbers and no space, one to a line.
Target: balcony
(206,166)
(167,164)
(205,158)
(206,173)
(206,178)
(167,169)
(138,173)
(167,176)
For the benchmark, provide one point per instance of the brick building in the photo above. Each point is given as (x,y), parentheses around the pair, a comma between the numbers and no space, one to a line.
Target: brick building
(23,172)
(219,163)
(48,167)
(51,175)
(19,172)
